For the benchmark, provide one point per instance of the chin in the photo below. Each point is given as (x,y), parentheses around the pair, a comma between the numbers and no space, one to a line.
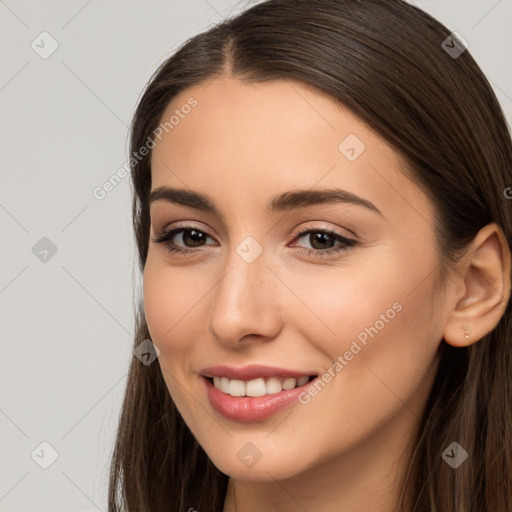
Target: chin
(270,467)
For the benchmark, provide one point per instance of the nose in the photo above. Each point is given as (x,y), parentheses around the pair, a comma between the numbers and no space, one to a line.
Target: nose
(245,303)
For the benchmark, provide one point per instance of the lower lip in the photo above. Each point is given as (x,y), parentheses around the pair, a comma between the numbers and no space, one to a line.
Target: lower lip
(247,408)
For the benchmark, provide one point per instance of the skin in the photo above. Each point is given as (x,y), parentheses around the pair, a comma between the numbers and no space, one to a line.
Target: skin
(347,448)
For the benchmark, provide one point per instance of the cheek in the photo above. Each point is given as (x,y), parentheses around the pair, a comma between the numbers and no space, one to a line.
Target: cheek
(347,314)
(378,319)
(340,302)
(171,298)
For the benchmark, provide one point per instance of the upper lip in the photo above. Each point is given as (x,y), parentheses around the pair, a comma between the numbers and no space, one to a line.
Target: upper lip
(250,372)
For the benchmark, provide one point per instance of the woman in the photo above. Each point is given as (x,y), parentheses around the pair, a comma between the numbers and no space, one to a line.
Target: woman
(324,231)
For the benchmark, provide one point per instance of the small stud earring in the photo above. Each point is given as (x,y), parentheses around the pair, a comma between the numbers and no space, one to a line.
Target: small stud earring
(466,333)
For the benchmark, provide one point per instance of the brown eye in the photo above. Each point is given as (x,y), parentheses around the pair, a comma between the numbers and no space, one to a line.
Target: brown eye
(196,237)
(319,238)
(190,238)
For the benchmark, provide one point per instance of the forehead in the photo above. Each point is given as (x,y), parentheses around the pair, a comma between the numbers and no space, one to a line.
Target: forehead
(242,137)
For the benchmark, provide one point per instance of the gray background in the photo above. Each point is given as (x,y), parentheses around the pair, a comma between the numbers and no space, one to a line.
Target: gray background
(67,318)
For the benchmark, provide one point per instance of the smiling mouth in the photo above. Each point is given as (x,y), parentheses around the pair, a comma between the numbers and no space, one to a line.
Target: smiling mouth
(258,387)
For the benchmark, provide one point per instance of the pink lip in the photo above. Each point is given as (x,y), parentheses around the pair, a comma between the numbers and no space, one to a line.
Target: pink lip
(250,372)
(246,409)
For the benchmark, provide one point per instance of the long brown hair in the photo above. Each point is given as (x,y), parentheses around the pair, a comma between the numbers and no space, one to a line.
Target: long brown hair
(385,61)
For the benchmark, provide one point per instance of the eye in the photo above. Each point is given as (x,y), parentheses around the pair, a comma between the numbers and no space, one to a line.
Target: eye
(318,238)
(190,234)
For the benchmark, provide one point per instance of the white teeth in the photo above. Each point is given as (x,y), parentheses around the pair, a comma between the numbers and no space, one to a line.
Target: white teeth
(274,386)
(224,384)
(236,388)
(289,383)
(257,387)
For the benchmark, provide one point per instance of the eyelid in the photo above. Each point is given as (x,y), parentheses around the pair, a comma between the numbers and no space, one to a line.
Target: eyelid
(315,226)
(179,228)
(298,232)
(172,227)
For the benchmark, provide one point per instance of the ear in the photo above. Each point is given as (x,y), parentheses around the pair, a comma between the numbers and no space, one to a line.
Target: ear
(485,273)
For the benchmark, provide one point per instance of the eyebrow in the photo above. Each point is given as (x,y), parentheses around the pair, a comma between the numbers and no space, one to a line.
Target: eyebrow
(283,202)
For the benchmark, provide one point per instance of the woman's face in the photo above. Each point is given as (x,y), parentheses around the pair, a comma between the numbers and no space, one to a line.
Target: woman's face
(285,278)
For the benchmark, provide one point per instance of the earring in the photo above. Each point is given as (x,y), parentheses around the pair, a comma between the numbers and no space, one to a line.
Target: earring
(466,333)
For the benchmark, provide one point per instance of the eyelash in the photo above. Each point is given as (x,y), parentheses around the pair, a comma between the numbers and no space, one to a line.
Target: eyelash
(165,238)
